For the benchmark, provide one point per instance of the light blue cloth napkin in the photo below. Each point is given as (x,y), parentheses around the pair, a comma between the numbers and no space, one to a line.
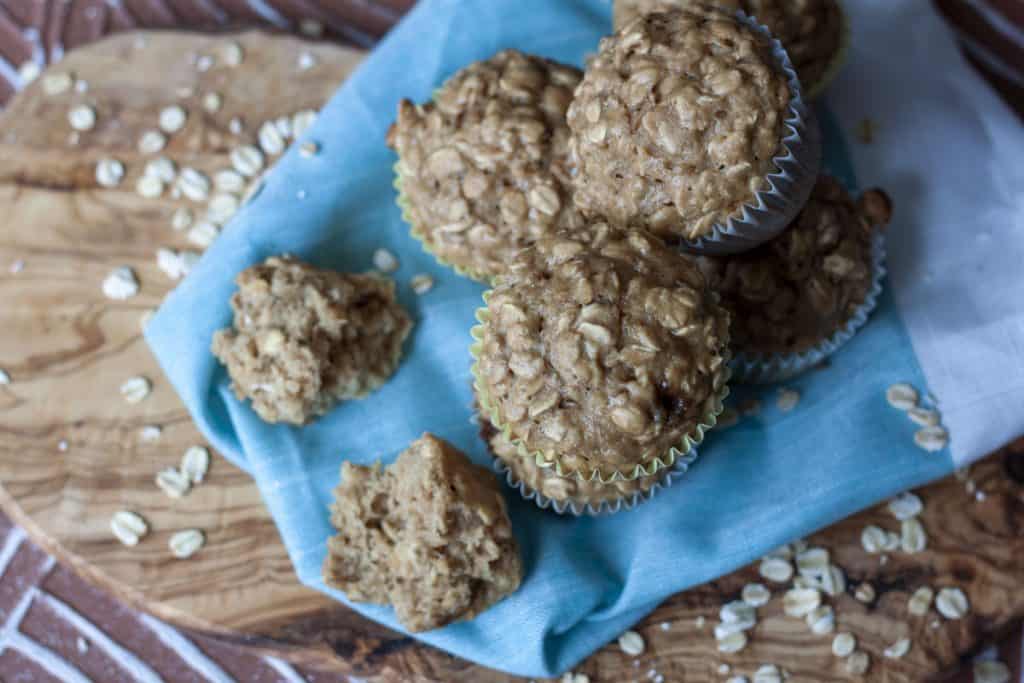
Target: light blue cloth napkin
(765,482)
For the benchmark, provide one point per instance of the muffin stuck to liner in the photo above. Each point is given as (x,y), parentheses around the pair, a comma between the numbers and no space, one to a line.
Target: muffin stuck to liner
(571,494)
(812,31)
(429,534)
(602,353)
(304,338)
(483,168)
(692,124)
(796,299)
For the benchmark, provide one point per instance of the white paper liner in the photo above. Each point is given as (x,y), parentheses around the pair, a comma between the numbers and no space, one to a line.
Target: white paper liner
(759,368)
(789,186)
(568,507)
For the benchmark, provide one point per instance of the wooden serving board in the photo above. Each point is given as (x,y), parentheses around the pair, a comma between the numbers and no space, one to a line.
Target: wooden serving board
(71,453)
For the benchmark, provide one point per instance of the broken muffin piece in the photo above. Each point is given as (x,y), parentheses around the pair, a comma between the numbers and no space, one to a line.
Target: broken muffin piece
(429,535)
(305,338)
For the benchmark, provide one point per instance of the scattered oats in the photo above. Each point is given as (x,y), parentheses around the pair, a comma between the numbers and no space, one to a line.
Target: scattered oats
(768,673)
(247,160)
(236,126)
(631,643)
(724,669)
(570,677)
(738,612)
(302,121)
(203,234)
(980,496)
(738,679)
(892,541)
(151,142)
(756,594)
(873,539)
(858,663)
(144,319)
(700,621)
(970,486)
(62,445)
(135,389)
(799,602)
(5,378)
(784,552)
(812,562)
(232,53)
(902,396)
(28,72)
(844,644)
(17,266)
(128,527)
(121,283)
(952,603)
(309,149)
(176,264)
(306,61)
(932,439)
(665,626)
(913,538)
(926,417)
(821,620)
(229,180)
(385,261)
(833,582)
(109,172)
(728,418)
(804,582)
(57,83)
(82,117)
(150,433)
(194,184)
(195,463)
(270,139)
(905,506)
(172,119)
(284,126)
(898,649)
(204,63)
(173,482)
(311,28)
(422,283)
(734,642)
(920,601)
(181,219)
(776,569)
(149,186)
(222,207)
(787,399)
(82,645)
(212,102)
(991,671)
(185,544)
(162,168)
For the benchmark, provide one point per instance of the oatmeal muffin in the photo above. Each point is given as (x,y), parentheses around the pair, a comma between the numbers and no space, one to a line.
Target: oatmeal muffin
(602,352)
(570,493)
(795,292)
(429,535)
(810,30)
(483,168)
(682,122)
(304,338)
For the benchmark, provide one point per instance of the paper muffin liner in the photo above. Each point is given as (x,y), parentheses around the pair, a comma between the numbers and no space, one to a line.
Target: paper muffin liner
(579,508)
(417,233)
(838,59)
(761,368)
(713,407)
(788,186)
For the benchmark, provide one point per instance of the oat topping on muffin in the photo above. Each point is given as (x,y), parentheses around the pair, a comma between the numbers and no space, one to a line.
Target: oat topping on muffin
(429,534)
(796,291)
(601,349)
(304,338)
(810,30)
(483,168)
(677,121)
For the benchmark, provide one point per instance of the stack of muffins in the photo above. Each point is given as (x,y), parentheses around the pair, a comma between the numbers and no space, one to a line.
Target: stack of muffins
(650,227)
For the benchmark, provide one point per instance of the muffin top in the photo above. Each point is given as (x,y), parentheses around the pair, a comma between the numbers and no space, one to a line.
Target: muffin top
(601,350)
(810,30)
(676,122)
(796,291)
(484,166)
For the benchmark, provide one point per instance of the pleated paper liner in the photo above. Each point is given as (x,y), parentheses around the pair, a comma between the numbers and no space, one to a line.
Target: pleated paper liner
(712,409)
(603,499)
(760,368)
(814,90)
(788,187)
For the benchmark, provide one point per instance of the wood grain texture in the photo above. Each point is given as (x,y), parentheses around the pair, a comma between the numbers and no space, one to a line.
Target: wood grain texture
(68,349)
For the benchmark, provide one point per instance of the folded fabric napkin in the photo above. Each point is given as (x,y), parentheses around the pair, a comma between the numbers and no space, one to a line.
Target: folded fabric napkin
(952,321)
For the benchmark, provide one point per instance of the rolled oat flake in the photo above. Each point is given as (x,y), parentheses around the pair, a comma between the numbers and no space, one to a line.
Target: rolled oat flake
(185,544)
(902,396)
(632,643)
(932,439)
(952,603)
(844,644)
(195,463)
(128,527)
(109,172)
(172,482)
